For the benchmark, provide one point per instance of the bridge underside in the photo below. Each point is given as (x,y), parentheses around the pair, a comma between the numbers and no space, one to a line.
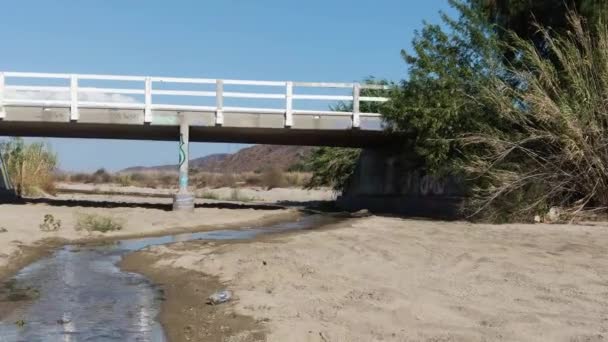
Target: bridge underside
(255,128)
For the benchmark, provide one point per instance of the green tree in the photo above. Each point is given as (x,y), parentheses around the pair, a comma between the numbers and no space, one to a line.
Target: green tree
(448,69)
(523,17)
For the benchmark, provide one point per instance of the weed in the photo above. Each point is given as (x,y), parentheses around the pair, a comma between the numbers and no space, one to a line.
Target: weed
(98,223)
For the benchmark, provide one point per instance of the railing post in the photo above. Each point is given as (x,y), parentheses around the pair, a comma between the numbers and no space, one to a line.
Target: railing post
(289,104)
(148,100)
(219,102)
(356,105)
(74,114)
(2,110)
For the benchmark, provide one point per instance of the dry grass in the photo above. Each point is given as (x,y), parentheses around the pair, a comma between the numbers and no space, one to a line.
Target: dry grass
(550,148)
(30,166)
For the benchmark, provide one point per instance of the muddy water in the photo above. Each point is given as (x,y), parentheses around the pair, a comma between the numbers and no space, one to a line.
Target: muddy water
(84,296)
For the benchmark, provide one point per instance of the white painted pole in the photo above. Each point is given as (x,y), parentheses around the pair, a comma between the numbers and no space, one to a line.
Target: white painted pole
(74,114)
(289,104)
(356,105)
(219,103)
(2,110)
(183,200)
(148,100)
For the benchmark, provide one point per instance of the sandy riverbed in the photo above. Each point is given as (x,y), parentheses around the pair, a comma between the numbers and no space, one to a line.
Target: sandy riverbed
(23,240)
(388,279)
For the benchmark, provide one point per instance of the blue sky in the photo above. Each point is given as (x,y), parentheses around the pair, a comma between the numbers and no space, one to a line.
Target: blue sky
(314,40)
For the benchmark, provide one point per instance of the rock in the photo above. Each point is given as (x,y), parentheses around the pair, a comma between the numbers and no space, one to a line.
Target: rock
(553,215)
(219,297)
(3,230)
(537,219)
(361,213)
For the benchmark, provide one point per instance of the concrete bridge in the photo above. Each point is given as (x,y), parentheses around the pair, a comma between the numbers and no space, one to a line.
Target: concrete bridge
(188,109)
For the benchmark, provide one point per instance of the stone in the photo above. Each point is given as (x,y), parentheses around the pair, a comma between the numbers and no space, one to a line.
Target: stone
(361,213)
(553,215)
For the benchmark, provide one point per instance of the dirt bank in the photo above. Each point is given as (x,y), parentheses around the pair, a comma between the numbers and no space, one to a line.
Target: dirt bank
(185,315)
(386,279)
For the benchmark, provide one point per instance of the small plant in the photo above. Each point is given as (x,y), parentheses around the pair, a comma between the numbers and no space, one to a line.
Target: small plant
(210,195)
(49,224)
(97,223)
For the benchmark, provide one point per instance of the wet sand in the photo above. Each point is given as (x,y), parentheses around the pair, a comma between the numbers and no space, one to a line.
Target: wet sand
(389,279)
(185,315)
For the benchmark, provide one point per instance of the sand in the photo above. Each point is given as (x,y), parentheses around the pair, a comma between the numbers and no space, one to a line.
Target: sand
(389,279)
(139,218)
(252,194)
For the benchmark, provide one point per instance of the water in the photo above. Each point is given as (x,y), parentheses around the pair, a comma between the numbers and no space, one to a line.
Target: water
(84,296)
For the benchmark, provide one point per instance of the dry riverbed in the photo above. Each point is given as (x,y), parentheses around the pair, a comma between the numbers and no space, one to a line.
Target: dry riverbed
(388,279)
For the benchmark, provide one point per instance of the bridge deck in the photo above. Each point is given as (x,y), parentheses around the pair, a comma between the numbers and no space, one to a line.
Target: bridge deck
(151,108)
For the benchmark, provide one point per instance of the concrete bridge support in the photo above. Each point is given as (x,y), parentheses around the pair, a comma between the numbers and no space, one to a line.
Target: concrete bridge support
(393,183)
(183,200)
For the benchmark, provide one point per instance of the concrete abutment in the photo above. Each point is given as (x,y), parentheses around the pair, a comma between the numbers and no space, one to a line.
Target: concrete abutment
(389,182)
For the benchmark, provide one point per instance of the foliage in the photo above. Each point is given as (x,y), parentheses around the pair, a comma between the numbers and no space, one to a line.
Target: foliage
(448,69)
(553,148)
(30,166)
(523,16)
(97,223)
(332,166)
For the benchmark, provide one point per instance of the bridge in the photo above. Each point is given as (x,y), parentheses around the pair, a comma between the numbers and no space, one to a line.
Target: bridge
(189,109)
(152,108)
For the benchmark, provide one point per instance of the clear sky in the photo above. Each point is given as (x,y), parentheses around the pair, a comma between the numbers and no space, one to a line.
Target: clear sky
(313,40)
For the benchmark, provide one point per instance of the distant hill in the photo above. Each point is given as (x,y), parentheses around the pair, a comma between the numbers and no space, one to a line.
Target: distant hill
(250,159)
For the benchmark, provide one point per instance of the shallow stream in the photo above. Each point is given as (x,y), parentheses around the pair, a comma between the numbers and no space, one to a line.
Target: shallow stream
(82,295)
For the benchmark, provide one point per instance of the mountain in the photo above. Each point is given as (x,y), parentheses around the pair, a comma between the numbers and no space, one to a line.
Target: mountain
(250,159)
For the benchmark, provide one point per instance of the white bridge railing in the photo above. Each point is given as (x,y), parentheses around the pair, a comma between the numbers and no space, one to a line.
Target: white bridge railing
(74,96)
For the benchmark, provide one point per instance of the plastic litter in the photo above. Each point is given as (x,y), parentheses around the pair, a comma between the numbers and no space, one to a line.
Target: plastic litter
(220,297)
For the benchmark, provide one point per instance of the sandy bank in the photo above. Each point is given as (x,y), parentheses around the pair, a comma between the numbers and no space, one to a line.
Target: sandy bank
(386,279)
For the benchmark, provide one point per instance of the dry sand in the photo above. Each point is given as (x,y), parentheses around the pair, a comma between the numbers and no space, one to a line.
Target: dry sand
(388,279)
(254,194)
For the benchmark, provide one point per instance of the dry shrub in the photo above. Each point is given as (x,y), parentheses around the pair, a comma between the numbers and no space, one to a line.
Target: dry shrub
(30,167)
(550,146)
(272,178)
(297,179)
